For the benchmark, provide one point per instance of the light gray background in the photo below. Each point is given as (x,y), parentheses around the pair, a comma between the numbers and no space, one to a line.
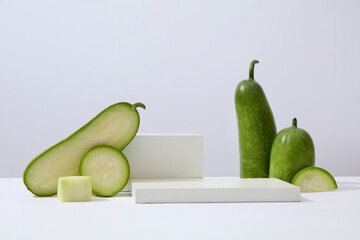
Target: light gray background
(62,62)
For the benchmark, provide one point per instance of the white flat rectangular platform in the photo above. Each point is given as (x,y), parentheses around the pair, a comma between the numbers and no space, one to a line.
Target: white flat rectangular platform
(215,190)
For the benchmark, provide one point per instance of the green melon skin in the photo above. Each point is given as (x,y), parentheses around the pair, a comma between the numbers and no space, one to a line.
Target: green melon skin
(314,179)
(115,126)
(256,127)
(292,150)
(108,168)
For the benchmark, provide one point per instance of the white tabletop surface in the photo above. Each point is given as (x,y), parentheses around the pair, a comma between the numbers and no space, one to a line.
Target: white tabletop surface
(326,215)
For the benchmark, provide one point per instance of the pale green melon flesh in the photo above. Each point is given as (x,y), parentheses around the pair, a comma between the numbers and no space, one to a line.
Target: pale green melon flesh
(314,179)
(108,168)
(115,126)
(74,189)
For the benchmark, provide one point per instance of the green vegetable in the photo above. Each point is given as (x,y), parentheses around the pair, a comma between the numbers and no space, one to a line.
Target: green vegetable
(314,179)
(292,150)
(116,126)
(256,126)
(108,168)
(74,189)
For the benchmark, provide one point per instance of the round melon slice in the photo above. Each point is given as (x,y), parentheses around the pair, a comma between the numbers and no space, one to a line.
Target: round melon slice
(314,179)
(109,170)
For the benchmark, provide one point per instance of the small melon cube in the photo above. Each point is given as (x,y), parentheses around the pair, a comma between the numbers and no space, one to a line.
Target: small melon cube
(74,189)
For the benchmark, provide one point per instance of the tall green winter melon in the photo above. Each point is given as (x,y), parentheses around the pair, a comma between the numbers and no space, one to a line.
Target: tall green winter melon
(256,127)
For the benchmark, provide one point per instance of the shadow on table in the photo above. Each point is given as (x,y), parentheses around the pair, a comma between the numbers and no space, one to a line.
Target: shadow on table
(304,199)
(98,199)
(348,186)
(54,196)
(94,198)
(122,194)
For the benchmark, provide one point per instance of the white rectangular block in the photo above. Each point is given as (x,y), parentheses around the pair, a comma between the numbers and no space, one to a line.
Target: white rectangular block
(165,156)
(215,190)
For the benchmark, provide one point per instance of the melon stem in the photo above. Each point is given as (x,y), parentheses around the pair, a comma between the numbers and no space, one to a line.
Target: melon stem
(138,104)
(294,122)
(251,69)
